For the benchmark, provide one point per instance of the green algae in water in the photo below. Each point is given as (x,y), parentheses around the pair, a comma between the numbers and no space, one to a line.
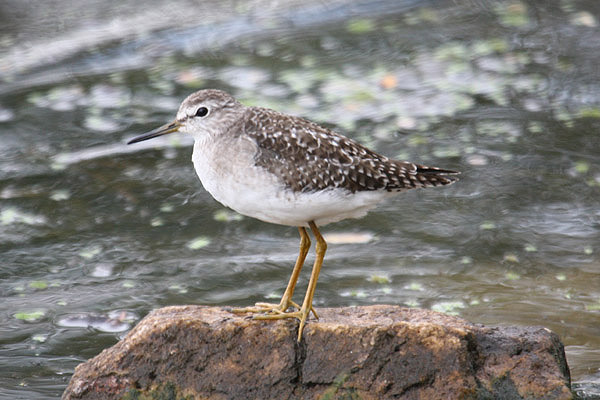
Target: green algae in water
(273,295)
(512,276)
(593,306)
(448,307)
(157,221)
(40,338)
(590,113)
(412,303)
(362,25)
(490,46)
(514,14)
(178,288)
(530,248)
(12,215)
(359,294)
(415,286)
(40,285)
(29,316)
(60,195)
(90,253)
(198,243)
(167,207)
(487,225)
(227,216)
(379,279)
(582,167)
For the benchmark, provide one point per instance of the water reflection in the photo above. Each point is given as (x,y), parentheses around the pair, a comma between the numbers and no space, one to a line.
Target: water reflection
(505,92)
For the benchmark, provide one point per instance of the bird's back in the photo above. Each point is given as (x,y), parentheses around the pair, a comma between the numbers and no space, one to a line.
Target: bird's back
(307,157)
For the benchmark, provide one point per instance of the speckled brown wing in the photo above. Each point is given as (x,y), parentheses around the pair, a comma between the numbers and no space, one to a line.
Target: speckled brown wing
(308,158)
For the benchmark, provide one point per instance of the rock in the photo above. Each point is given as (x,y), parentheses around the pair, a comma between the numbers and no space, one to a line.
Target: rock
(374,352)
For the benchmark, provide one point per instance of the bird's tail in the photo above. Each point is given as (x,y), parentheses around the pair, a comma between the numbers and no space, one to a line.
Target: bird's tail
(432,176)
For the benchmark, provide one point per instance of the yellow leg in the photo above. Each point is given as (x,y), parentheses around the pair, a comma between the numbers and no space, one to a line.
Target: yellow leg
(306,308)
(321,248)
(286,300)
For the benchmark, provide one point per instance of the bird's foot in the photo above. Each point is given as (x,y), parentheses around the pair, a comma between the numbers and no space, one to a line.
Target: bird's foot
(301,315)
(272,311)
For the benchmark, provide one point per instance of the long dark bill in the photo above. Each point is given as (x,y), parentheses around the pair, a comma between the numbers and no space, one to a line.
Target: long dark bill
(163,130)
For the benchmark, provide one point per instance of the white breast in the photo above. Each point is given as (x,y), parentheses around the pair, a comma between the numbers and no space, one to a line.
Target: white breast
(228,173)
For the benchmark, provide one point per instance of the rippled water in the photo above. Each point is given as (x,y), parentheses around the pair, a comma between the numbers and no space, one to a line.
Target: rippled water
(94,233)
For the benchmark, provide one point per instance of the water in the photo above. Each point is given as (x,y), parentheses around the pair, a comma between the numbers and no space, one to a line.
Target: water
(94,234)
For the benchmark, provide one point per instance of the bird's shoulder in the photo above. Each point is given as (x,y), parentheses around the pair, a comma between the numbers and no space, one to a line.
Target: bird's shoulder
(295,139)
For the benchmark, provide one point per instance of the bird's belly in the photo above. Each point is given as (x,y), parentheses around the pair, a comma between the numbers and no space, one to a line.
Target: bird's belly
(257,193)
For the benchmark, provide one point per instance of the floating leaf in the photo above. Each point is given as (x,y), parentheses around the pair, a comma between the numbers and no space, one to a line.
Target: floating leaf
(582,167)
(590,113)
(40,338)
(59,195)
(584,18)
(414,286)
(38,284)
(227,216)
(466,260)
(178,288)
(102,270)
(157,221)
(530,248)
(512,276)
(29,316)
(448,307)
(90,252)
(361,25)
(198,243)
(487,225)
(349,237)
(477,160)
(513,14)
(388,81)
(358,294)
(167,207)
(412,303)
(379,279)
(13,215)
(593,306)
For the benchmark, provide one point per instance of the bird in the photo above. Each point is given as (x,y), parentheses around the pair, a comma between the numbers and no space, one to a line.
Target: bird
(288,170)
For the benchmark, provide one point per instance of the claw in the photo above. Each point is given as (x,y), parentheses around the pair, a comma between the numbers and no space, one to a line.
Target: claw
(271,309)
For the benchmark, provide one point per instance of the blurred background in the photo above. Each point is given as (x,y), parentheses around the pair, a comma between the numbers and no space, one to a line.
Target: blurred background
(94,234)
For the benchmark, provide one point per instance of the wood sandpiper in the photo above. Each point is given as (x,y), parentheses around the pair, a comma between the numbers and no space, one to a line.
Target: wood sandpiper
(290,171)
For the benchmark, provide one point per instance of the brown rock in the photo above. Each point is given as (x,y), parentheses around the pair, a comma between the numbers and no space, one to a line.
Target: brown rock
(375,352)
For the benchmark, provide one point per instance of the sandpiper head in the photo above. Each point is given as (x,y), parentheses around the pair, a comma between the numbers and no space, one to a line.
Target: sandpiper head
(205,112)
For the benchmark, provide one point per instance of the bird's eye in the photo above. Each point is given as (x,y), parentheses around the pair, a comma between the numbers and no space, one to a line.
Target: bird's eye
(201,112)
